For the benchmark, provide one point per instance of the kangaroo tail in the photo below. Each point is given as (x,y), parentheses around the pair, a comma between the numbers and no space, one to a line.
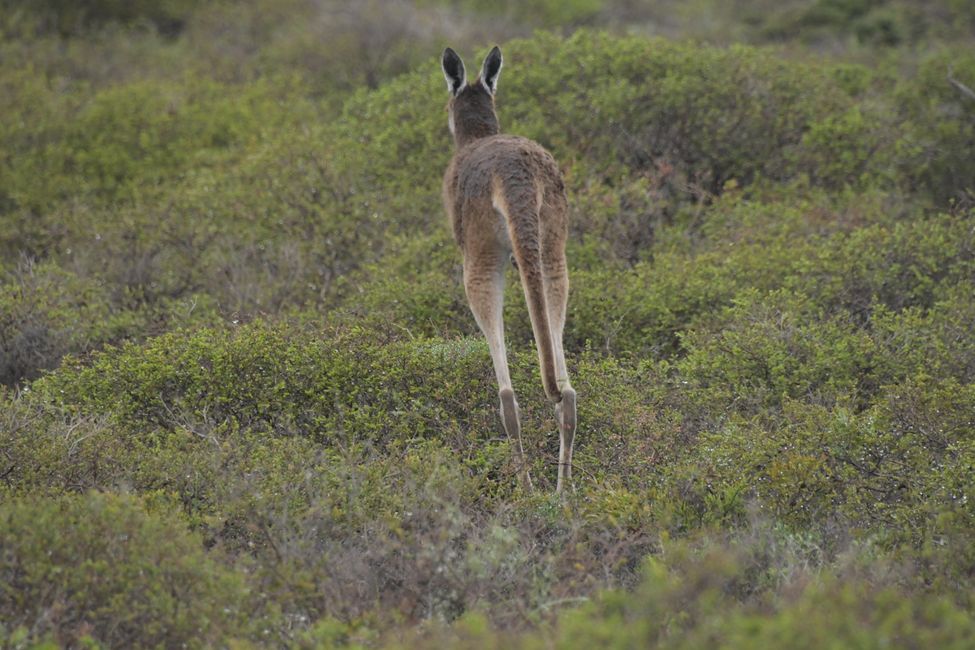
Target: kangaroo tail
(520,203)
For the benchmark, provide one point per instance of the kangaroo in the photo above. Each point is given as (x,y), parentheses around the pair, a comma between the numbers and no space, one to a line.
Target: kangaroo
(505,199)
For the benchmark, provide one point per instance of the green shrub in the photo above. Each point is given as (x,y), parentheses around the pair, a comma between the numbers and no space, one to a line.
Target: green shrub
(46,312)
(121,142)
(935,342)
(540,13)
(99,567)
(938,126)
(353,530)
(263,207)
(705,116)
(692,598)
(772,348)
(68,18)
(292,446)
(338,389)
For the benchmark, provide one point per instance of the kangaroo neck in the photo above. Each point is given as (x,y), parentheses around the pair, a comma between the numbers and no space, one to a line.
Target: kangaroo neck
(473,128)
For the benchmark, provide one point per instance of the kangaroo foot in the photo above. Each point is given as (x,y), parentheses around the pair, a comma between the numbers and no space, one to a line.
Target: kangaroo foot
(565,411)
(510,417)
(509,413)
(565,414)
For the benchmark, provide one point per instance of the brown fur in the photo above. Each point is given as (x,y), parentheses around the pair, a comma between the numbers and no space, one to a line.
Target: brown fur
(504,196)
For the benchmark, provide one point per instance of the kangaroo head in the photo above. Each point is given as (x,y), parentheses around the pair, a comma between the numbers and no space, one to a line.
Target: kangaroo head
(471,105)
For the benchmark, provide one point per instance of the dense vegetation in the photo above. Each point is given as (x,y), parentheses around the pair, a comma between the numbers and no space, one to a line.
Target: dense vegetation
(243,402)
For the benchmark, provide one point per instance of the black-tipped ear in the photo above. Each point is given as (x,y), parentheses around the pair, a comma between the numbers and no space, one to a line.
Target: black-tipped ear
(491,69)
(453,71)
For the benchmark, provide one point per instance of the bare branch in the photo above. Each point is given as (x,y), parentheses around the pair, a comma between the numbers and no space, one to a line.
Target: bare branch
(962,88)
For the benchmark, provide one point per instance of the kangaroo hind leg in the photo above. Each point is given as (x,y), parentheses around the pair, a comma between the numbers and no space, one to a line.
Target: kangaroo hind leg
(556,282)
(484,285)
(565,411)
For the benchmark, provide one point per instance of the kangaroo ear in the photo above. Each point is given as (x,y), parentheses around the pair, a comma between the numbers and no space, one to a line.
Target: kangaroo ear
(491,69)
(453,71)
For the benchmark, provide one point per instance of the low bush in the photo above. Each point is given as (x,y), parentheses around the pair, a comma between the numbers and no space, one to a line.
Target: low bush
(323,456)
(46,312)
(694,596)
(685,603)
(73,18)
(937,121)
(99,569)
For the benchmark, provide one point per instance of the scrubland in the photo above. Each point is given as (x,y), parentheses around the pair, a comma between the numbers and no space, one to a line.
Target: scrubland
(243,402)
